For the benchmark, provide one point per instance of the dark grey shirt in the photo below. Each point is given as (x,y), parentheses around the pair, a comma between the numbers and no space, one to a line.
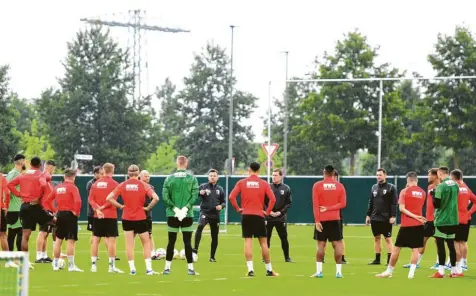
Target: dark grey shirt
(284,200)
(382,202)
(147,202)
(213,197)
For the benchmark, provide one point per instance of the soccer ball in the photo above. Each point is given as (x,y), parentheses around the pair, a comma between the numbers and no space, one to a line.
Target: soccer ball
(182,254)
(176,254)
(160,253)
(61,263)
(195,257)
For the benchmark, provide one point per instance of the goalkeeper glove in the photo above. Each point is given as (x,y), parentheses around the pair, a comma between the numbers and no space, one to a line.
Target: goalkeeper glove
(176,211)
(182,213)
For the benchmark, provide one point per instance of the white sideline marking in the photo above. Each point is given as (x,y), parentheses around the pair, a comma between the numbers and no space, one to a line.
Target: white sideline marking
(220,279)
(102,284)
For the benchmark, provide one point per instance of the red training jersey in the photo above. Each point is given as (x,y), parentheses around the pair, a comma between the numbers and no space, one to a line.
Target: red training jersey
(32,184)
(330,194)
(253,191)
(430,208)
(134,193)
(4,193)
(413,198)
(98,194)
(67,197)
(49,206)
(464,197)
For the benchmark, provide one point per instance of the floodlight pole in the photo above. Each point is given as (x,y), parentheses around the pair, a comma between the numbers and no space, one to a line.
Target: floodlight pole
(380,104)
(269,130)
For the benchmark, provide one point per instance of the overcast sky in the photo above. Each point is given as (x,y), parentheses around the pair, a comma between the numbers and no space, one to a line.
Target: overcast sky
(34,35)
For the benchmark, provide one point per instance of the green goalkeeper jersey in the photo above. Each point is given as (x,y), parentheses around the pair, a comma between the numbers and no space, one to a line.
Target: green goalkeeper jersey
(180,190)
(447,213)
(15,201)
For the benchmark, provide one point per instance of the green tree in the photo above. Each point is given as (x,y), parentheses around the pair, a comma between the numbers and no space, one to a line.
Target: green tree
(204,102)
(25,113)
(171,117)
(450,105)
(163,160)
(9,136)
(92,113)
(33,143)
(344,116)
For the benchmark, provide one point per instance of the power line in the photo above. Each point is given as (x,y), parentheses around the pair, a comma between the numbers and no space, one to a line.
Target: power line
(137,24)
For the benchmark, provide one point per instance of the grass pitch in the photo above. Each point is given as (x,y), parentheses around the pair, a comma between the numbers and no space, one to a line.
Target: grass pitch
(227,276)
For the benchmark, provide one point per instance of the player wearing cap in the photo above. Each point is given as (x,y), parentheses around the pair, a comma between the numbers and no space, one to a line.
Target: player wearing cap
(134,221)
(328,198)
(46,228)
(411,233)
(253,192)
(66,195)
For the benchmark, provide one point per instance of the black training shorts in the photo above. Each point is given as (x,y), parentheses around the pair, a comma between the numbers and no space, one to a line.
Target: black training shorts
(331,231)
(106,227)
(462,233)
(30,215)
(66,225)
(138,226)
(429,229)
(149,225)
(253,226)
(381,228)
(410,237)
(3,221)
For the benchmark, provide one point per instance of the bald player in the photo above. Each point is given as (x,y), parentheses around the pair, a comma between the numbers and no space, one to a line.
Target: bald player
(145,177)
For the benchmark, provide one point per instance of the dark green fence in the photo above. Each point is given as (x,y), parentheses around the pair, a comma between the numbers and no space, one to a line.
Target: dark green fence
(358,192)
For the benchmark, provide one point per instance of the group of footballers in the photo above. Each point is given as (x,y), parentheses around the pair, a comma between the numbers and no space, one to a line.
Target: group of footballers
(263,207)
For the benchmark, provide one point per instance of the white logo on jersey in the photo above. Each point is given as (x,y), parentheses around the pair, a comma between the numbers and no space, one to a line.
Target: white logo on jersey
(385,191)
(252,184)
(417,194)
(132,187)
(450,182)
(101,185)
(218,191)
(463,190)
(330,186)
(282,191)
(61,190)
(375,193)
(180,175)
(30,172)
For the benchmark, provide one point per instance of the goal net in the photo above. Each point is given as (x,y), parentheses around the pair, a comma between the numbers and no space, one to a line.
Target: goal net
(14,273)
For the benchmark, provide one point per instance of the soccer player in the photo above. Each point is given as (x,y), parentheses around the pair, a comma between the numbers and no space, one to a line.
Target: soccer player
(465,196)
(278,217)
(32,184)
(105,218)
(381,214)
(411,233)
(134,221)
(4,203)
(46,228)
(336,177)
(145,177)
(180,193)
(445,201)
(328,198)
(98,173)
(433,181)
(212,202)
(66,195)
(13,215)
(253,191)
